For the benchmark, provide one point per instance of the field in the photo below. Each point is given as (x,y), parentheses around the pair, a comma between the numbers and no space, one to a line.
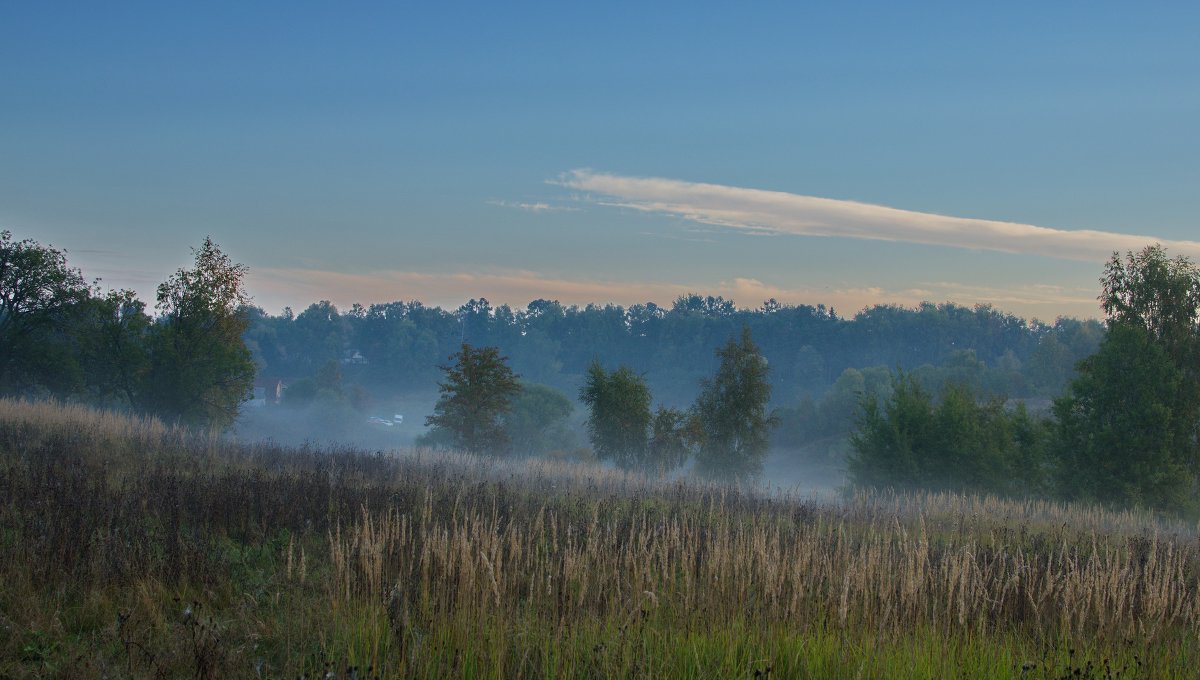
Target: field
(131,549)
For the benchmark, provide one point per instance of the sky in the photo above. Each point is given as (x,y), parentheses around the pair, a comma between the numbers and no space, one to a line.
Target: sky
(850,154)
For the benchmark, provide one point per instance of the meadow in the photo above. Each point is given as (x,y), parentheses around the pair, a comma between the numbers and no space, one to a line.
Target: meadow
(132,549)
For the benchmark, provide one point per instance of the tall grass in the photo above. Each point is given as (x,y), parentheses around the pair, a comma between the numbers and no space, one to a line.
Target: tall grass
(128,548)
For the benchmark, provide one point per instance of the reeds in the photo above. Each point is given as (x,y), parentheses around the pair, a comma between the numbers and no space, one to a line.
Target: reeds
(421,564)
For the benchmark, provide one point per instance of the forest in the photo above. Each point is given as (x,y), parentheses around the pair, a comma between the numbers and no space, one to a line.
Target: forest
(387,358)
(940,396)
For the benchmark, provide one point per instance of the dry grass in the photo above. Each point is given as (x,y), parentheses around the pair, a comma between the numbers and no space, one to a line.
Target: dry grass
(131,548)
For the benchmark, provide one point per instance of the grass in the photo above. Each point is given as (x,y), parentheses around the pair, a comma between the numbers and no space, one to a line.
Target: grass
(131,549)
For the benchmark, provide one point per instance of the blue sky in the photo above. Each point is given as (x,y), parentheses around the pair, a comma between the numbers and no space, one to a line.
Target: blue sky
(623,153)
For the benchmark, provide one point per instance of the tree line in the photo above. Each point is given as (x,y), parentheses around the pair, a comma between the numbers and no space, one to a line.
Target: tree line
(398,346)
(1120,421)
(62,337)
(1125,431)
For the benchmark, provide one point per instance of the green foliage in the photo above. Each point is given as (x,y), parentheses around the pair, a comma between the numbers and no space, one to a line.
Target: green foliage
(1162,296)
(956,442)
(733,422)
(38,295)
(1158,294)
(114,335)
(200,368)
(536,424)
(477,391)
(671,433)
(1120,439)
(619,415)
(401,343)
(1129,423)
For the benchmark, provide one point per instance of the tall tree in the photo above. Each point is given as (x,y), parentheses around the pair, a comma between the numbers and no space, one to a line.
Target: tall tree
(1129,424)
(477,391)
(734,422)
(1162,296)
(1120,435)
(619,405)
(1159,294)
(38,292)
(200,369)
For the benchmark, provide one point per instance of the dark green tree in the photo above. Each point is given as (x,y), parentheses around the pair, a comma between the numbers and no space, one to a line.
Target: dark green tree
(1120,439)
(39,293)
(893,438)
(1129,423)
(200,369)
(1162,296)
(113,346)
(619,414)
(733,422)
(957,442)
(670,439)
(476,393)
(1159,294)
(536,424)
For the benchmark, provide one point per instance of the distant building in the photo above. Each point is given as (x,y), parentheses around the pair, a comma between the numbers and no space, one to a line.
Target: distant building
(267,391)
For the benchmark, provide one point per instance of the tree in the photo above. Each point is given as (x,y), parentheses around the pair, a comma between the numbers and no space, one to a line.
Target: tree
(1129,423)
(670,439)
(113,347)
(619,404)
(1162,296)
(1158,294)
(734,423)
(893,439)
(477,391)
(958,442)
(1120,439)
(536,424)
(38,291)
(200,369)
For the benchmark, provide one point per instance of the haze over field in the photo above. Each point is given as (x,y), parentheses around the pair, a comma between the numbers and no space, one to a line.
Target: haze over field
(842,155)
(623,340)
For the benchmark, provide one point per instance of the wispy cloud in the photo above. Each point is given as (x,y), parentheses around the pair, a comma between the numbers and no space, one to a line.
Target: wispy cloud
(298,287)
(777,212)
(539,207)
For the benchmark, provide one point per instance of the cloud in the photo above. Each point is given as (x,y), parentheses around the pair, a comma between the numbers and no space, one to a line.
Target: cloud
(539,207)
(299,287)
(776,212)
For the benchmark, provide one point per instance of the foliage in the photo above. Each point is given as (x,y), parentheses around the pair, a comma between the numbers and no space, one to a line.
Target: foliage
(733,419)
(38,294)
(956,443)
(670,347)
(1162,296)
(1120,439)
(476,393)
(113,346)
(1129,423)
(536,423)
(1158,294)
(671,435)
(200,368)
(618,414)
